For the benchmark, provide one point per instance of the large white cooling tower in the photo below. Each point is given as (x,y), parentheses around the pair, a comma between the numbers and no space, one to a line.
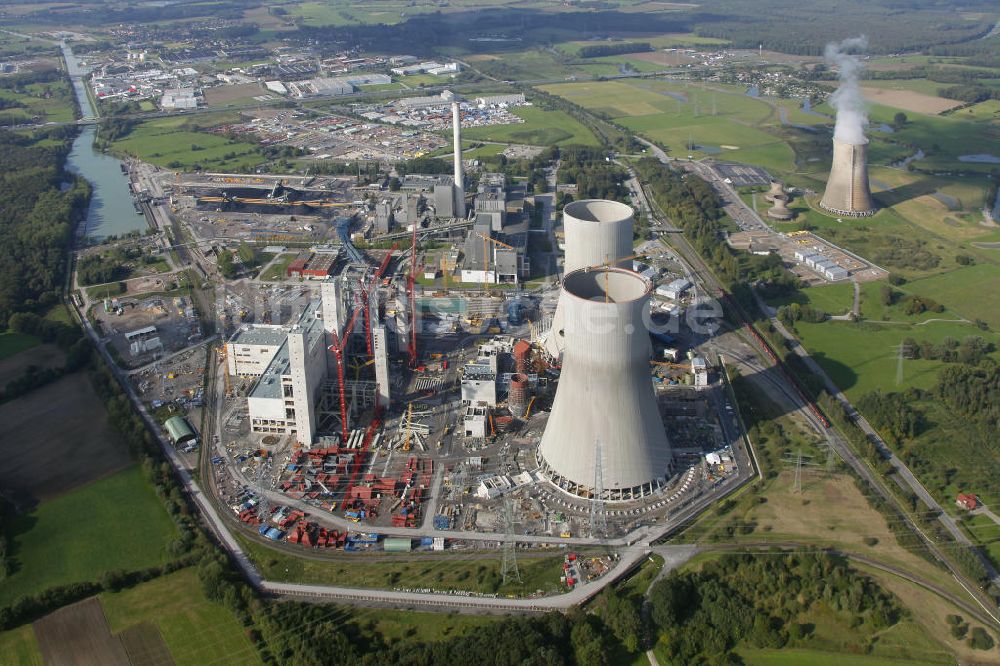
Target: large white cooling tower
(598,232)
(605,392)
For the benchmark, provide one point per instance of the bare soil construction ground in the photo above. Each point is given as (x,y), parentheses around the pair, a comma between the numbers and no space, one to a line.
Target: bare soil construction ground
(145,646)
(222,95)
(55,439)
(79,635)
(44,356)
(910,101)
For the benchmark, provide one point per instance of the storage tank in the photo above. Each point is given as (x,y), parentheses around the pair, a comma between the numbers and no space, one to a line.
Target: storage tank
(776,189)
(517,398)
(605,392)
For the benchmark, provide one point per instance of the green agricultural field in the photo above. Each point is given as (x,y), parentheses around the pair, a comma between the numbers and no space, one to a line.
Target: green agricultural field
(943,138)
(393,625)
(531,64)
(988,110)
(923,86)
(805,657)
(11,343)
(861,357)
(441,571)
(541,127)
(51,102)
(113,523)
(196,630)
(170,142)
(18,647)
(973,292)
(720,120)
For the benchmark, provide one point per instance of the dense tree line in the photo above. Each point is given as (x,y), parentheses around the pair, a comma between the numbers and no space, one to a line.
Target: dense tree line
(601,50)
(6,565)
(789,314)
(424,165)
(427,34)
(893,414)
(594,176)
(752,600)
(37,218)
(692,204)
(972,349)
(972,391)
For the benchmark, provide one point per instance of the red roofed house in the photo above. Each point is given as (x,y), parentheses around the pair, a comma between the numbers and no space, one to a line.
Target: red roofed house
(967,501)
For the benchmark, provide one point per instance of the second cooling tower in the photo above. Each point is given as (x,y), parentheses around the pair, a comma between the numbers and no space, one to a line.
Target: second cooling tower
(847,191)
(605,393)
(598,232)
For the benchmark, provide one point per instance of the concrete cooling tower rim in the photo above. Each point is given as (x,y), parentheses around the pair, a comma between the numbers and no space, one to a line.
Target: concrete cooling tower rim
(611,285)
(598,210)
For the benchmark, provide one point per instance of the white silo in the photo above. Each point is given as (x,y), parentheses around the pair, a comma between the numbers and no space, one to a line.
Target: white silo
(598,232)
(605,392)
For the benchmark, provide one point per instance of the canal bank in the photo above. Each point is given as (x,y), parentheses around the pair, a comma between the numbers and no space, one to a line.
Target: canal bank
(112,210)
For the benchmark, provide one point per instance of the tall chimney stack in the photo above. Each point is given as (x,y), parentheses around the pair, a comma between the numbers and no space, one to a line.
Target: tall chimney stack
(456,128)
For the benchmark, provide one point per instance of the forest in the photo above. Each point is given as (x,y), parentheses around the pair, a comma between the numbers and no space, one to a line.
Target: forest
(805,28)
(748,599)
(37,218)
(601,50)
(594,176)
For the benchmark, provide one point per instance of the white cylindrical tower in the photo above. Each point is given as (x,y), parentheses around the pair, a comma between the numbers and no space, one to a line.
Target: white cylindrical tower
(605,392)
(598,232)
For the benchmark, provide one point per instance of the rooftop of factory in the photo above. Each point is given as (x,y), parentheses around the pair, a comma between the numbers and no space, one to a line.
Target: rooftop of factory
(269,383)
(259,334)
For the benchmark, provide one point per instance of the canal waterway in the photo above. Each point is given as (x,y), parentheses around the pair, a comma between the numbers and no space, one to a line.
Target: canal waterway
(112,211)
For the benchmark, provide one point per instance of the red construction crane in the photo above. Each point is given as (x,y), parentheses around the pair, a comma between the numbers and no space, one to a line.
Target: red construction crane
(410,280)
(385,262)
(338,346)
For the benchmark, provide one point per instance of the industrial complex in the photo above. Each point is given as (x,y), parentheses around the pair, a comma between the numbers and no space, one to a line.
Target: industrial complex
(389,379)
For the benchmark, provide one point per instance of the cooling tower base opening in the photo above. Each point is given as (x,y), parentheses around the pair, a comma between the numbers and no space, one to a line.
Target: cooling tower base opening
(632,494)
(849,213)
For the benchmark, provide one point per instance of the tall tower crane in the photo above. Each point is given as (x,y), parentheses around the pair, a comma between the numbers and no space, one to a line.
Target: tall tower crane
(338,346)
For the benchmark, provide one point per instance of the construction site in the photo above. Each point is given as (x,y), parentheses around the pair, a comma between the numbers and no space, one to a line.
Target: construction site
(420,396)
(364,411)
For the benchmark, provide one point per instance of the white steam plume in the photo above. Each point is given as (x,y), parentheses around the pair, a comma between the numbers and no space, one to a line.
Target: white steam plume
(852,114)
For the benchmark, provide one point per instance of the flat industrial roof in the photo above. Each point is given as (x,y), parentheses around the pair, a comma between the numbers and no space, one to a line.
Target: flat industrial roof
(268,385)
(259,335)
